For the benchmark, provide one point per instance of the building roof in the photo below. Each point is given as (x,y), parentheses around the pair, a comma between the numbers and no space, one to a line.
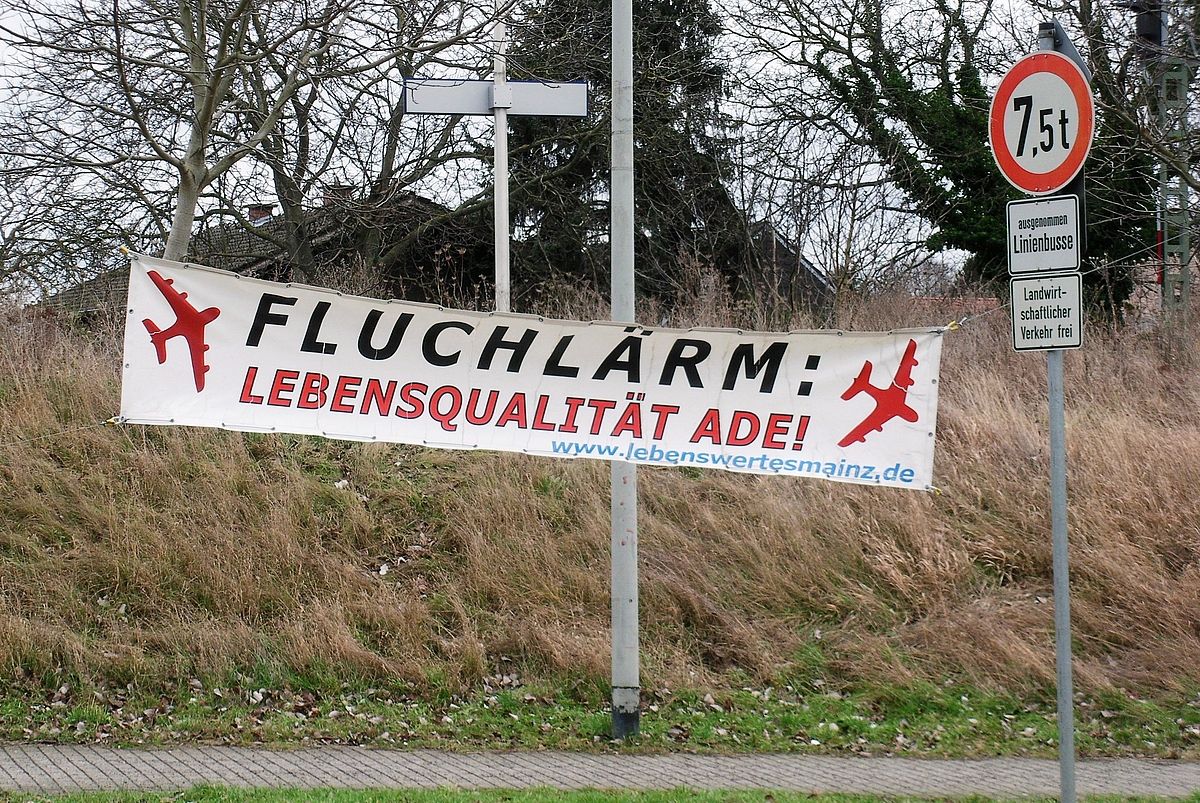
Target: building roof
(257,249)
(785,273)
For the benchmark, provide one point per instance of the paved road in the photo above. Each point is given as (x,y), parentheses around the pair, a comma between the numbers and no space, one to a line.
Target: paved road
(55,769)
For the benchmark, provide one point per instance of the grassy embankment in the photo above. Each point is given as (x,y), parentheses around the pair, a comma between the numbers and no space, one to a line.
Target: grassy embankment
(168,584)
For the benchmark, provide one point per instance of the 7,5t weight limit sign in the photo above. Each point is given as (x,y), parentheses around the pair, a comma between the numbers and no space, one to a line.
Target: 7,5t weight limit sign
(1041,123)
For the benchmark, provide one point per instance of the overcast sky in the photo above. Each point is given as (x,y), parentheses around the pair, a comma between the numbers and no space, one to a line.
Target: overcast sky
(9,20)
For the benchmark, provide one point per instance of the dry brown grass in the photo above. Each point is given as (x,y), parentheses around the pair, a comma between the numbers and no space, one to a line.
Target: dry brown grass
(148,555)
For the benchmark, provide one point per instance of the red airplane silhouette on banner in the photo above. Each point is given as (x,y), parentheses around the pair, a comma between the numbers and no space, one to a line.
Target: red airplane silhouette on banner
(889,401)
(189,324)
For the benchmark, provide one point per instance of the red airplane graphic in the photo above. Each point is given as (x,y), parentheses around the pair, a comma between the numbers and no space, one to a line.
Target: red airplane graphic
(889,401)
(189,324)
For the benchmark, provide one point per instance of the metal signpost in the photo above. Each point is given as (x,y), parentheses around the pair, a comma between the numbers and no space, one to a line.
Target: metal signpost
(1040,129)
(544,98)
(500,98)
(626,671)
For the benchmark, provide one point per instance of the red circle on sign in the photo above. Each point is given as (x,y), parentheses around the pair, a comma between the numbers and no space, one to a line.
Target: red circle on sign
(1058,65)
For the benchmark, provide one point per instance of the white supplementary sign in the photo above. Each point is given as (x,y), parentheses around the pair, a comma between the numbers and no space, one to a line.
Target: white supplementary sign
(1047,312)
(1041,122)
(212,349)
(541,98)
(1043,235)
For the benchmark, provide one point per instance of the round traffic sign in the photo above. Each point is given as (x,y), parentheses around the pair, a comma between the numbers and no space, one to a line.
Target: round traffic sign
(1041,122)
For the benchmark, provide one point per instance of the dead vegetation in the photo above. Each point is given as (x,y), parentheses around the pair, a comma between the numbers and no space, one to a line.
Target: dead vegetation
(149,556)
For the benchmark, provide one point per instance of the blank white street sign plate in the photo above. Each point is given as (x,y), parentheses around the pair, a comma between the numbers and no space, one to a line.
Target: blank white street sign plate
(541,98)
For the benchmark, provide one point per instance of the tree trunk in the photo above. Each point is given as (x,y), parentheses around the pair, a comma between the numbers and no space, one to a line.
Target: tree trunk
(181,222)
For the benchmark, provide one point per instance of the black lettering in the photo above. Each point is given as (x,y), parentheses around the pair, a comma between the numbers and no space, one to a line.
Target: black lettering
(264,316)
(554,366)
(676,359)
(429,344)
(311,344)
(768,365)
(368,333)
(632,365)
(519,348)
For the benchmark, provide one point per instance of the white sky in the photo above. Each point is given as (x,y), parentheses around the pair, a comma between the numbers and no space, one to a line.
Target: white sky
(9,20)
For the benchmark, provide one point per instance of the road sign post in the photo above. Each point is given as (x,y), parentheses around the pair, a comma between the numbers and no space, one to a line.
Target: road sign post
(626,659)
(1040,128)
(499,98)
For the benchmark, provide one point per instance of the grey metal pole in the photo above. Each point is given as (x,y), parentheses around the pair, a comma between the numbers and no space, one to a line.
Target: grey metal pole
(1051,36)
(1062,584)
(621,193)
(626,683)
(501,102)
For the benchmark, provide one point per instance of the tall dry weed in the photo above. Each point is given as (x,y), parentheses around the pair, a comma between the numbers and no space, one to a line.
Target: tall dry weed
(137,554)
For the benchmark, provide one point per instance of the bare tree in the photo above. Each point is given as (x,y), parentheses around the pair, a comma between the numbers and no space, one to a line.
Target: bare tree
(908,85)
(44,244)
(171,105)
(878,110)
(345,141)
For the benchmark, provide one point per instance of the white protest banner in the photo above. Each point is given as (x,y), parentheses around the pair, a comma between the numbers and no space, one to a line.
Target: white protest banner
(214,349)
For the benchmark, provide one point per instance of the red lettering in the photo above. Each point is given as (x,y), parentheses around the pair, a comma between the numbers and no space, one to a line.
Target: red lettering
(601,407)
(631,421)
(539,415)
(408,396)
(248,385)
(473,403)
(710,427)
(777,425)
(346,390)
(446,419)
(573,405)
(376,393)
(285,382)
(663,411)
(514,412)
(312,391)
(735,425)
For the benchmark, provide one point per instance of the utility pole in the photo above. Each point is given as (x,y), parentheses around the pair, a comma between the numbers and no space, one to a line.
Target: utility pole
(501,103)
(1174,202)
(1169,77)
(626,682)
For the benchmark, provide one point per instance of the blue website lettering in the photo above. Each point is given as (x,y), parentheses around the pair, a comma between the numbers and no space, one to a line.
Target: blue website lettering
(844,470)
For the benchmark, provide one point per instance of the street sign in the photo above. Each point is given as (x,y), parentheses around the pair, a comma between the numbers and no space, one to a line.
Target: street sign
(1047,312)
(499,98)
(1041,122)
(1043,235)
(449,96)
